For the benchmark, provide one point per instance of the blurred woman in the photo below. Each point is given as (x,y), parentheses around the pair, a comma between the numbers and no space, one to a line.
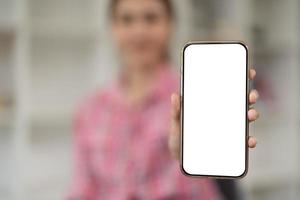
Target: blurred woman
(127,135)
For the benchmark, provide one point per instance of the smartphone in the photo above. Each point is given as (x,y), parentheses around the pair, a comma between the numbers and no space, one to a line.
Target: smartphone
(214,123)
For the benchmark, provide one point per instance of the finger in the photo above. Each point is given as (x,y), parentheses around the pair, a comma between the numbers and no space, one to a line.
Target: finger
(252,74)
(174,142)
(253,96)
(252,142)
(174,136)
(175,103)
(252,115)
(175,118)
(174,139)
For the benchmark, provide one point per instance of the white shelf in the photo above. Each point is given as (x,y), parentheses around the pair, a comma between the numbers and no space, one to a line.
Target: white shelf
(8,28)
(66,19)
(6,119)
(7,165)
(270,178)
(56,118)
(8,15)
(71,30)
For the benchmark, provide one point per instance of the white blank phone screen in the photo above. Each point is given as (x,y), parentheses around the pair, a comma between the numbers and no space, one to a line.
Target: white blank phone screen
(214,109)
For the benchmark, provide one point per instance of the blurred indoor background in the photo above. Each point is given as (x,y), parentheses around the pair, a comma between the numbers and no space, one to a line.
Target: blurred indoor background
(53,52)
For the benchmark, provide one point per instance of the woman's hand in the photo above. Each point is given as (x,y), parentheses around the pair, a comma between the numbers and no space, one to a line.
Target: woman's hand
(174,136)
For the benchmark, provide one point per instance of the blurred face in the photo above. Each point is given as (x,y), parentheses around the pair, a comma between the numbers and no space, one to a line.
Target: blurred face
(141,29)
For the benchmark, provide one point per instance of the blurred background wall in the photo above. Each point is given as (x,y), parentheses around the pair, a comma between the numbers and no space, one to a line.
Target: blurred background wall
(53,52)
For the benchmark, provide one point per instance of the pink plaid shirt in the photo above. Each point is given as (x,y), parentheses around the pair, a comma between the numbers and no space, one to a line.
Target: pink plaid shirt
(122,151)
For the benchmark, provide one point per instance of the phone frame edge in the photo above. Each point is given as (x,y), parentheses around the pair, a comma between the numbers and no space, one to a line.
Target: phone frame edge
(246,105)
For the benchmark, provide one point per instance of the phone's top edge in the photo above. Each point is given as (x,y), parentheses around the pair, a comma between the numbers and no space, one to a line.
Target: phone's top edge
(242,43)
(216,42)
